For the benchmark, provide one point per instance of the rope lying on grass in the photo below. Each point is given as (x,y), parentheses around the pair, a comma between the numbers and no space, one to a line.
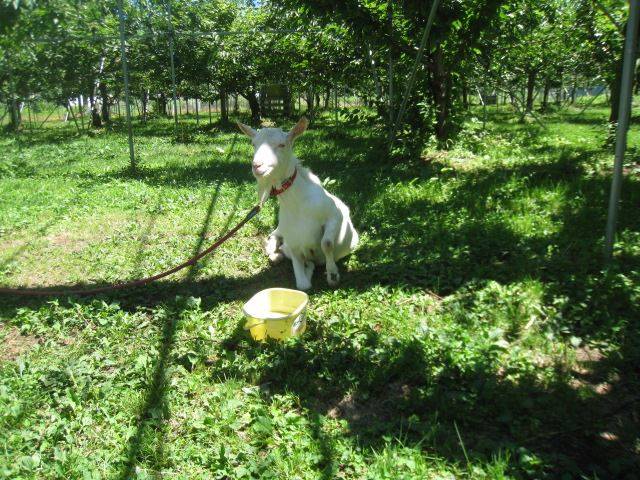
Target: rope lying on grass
(134,283)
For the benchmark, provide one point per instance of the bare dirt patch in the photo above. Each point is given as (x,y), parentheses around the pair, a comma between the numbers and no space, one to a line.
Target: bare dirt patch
(14,343)
(68,242)
(361,411)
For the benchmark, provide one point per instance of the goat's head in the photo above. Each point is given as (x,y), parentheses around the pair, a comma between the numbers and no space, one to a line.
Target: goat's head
(273,149)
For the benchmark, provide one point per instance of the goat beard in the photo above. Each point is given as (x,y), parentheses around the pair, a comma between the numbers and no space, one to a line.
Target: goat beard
(264,190)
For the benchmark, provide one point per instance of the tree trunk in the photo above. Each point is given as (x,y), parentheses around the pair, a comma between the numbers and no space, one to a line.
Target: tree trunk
(254,105)
(145,102)
(559,95)
(465,96)
(441,89)
(614,98)
(105,102)
(531,84)
(15,116)
(197,114)
(96,122)
(327,96)
(309,99)
(224,106)
(545,95)
(186,99)
(236,107)
(162,104)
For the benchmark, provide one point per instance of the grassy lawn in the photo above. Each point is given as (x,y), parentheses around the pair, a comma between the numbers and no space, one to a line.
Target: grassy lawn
(475,334)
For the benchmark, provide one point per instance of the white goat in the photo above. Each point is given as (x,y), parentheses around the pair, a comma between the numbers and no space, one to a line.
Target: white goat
(314,227)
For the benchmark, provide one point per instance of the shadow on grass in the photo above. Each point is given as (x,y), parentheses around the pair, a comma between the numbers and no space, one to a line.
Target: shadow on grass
(419,388)
(151,428)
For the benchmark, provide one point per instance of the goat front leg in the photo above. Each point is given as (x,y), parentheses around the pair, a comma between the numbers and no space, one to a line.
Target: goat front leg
(272,247)
(301,269)
(328,245)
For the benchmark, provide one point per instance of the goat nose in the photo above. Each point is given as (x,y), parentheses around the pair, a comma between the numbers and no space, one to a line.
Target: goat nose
(257,164)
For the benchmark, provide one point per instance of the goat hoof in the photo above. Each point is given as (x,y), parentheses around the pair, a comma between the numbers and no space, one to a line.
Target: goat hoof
(303,285)
(333,278)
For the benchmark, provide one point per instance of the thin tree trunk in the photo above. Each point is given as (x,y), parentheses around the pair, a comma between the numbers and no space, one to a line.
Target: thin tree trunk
(197,114)
(29,115)
(327,96)
(545,95)
(102,87)
(441,88)
(145,102)
(15,116)
(162,104)
(236,107)
(465,96)
(224,106)
(186,99)
(96,122)
(81,107)
(309,99)
(531,84)
(254,105)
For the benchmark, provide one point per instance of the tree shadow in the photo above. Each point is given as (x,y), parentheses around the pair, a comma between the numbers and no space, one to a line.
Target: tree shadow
(179,175)
(154,413)
(388,387)
(410,390)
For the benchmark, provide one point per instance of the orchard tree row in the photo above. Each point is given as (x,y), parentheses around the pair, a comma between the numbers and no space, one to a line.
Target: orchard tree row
(58,50)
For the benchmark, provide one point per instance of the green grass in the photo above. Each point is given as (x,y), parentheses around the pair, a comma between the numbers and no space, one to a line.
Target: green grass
(475,334)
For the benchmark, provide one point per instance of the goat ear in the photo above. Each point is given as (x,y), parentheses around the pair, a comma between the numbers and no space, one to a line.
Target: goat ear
(247,130)
(298,129)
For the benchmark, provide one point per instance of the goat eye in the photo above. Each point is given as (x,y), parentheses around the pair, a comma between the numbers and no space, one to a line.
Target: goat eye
(281,145)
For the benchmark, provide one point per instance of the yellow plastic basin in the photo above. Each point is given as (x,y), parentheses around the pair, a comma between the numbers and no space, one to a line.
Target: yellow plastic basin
(276,313)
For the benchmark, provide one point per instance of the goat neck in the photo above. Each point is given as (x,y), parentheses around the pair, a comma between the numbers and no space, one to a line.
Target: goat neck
(286,167)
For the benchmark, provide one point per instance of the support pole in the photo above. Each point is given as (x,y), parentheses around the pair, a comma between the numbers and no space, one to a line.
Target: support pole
(390,74)
(125,72)
(416,65)
(173,73)
(626,85)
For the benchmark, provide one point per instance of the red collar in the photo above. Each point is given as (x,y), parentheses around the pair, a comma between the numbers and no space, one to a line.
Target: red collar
(285,185)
